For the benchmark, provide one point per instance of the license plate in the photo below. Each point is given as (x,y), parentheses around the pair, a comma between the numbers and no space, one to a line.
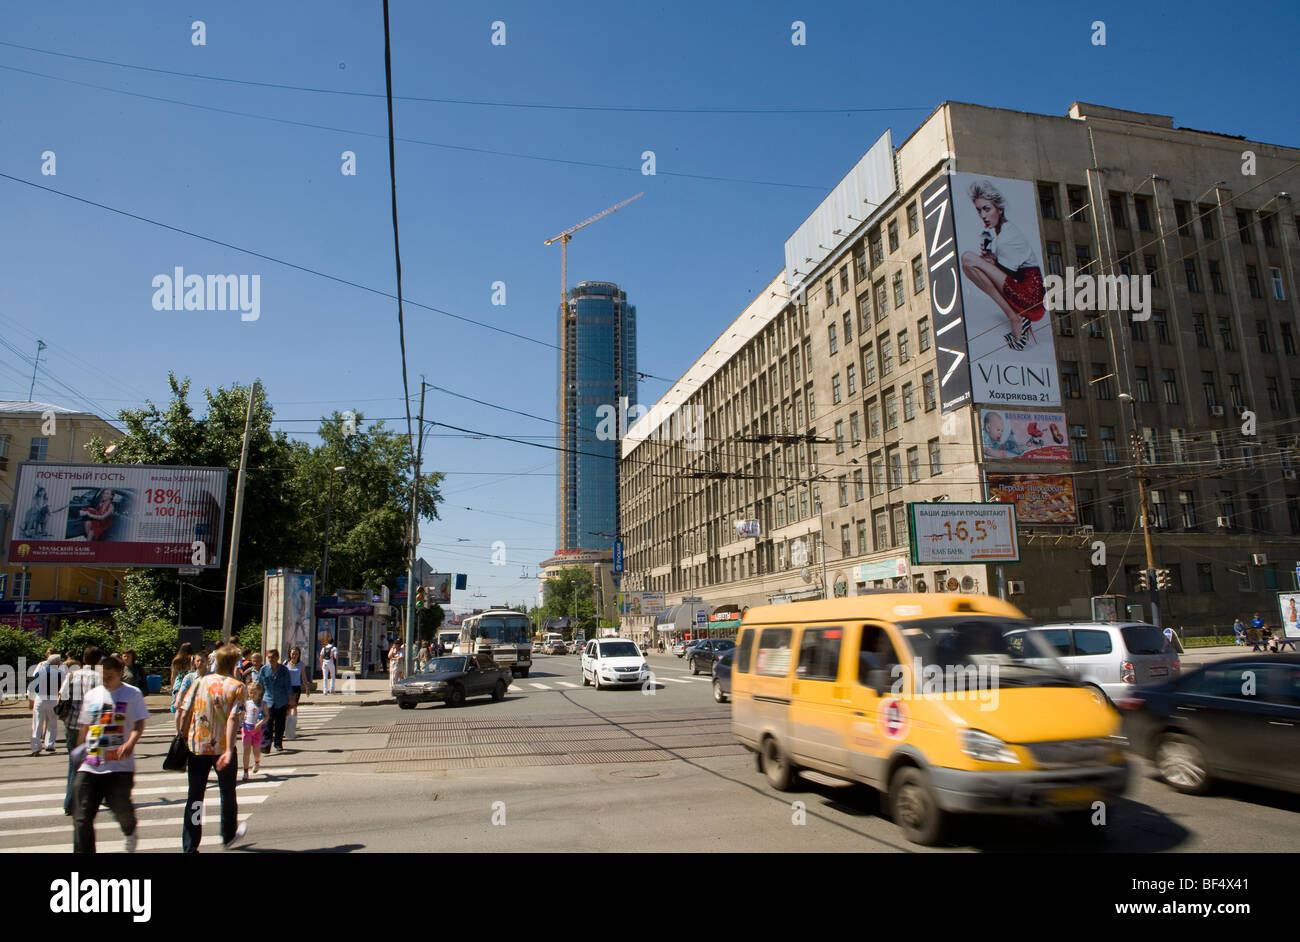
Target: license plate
(1158,671)
(1070,796)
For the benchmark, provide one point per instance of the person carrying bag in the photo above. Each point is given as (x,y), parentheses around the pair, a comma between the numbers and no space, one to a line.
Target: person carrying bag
(178,754)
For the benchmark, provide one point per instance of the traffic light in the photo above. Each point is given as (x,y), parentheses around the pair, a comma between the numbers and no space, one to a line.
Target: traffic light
(1144,581)
(419,597)
(1165,579)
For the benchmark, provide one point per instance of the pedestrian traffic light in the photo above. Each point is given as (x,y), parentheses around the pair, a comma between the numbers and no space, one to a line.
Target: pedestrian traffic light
(419,597)
(1165,579)
(1144,581)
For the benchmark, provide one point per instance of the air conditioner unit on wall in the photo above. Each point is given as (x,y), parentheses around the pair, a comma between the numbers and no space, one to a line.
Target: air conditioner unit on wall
(1259,559)
(1223,521)
(1015,588)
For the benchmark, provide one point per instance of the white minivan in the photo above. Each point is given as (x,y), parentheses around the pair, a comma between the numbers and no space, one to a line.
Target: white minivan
(613,662)
(1114,658)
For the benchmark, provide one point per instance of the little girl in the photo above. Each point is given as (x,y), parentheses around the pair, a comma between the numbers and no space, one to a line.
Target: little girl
(251,731)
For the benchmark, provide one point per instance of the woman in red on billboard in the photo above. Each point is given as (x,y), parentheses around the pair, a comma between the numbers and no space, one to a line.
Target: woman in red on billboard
(100,520)
(1006,267)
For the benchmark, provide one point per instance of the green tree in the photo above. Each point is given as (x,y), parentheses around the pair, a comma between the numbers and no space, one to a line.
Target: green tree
(429,620)
(250,636)
(561,590)
(17,646)
(75,636)
(155,641)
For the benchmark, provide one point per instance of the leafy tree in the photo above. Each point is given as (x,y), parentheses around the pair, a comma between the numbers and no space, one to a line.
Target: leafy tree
(429,620)
(16,645)
(155,641)
(250,636)
(75,636)
(560,592)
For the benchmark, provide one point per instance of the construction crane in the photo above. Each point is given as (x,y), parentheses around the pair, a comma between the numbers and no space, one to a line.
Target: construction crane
(565,237)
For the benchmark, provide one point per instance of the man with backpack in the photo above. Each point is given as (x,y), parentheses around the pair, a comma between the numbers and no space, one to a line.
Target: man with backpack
(328,656)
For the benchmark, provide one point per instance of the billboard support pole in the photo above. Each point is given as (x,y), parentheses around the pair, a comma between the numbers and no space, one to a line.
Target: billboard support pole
(411,566)
(233,559)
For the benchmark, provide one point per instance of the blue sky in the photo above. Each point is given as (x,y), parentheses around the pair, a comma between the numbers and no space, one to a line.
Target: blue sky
(691,253)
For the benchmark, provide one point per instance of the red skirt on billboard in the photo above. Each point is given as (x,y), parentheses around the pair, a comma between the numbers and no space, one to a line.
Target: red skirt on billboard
(1024,291)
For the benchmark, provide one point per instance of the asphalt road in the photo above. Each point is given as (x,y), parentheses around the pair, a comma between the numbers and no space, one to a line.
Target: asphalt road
(562,767)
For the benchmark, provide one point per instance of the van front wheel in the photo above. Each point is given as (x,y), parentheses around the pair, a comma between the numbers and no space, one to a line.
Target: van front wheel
(776,765)
(914,807)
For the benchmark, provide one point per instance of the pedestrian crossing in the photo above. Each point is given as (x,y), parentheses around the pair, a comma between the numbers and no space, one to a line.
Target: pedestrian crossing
(568,685)
(312,716)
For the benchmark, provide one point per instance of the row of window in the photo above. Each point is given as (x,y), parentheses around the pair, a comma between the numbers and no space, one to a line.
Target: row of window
(36,452)
(1186,516)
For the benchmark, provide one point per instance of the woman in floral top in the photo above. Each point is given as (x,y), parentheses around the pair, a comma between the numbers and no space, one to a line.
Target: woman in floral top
(218,699)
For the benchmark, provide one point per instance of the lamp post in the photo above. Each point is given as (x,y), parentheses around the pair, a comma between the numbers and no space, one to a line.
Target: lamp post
(325,553)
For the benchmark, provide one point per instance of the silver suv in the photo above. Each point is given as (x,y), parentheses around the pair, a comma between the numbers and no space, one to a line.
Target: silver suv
(1114,657)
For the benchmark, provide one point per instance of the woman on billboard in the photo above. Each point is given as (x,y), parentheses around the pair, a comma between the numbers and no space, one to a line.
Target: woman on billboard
(101,519)
(1006,267)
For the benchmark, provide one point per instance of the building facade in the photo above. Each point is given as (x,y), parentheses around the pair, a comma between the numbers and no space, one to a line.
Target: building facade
(597,340)
(837,397)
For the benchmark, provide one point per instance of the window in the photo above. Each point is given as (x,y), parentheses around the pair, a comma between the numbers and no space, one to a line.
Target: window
(1108,452)
(1288,341)
(1143,207)
(880,524)
(839,437)
(913,223)
(1182,216)
(913,464)
(1225,333)
(859,485)
(835,345)
(877,252)
(4,452)
(1078,444)
(1087,510)
(1091,641)
(780,522)
(929,391)
(859,263)
(1161,324)
(1198,325)
(1159,512)
(1095,326)
(844,490)
(1211,391)
(1204,577)
(900,525)
(891,411)
(893,235)
(1143,384)
(864,313)
(898,289)
(836,397)
(918,276)
(1047,201)
(882,301)
(1187,509)
(1261,331)
(1275,277)
(873,419)
(869,365)
(1138,330)
(846,548)
(909,403)
(844,284)
(1118,215)
(1101,377)
(1178,446)
(855,429)
(1078,206)
(848,328)
(895,469)
(774,652)
(1070,387)
(1149,264)
(864,544)
(923,334)
(22,585)
(1258,513)
(830,291)
(1207,221)
(886,356)
(1216,277)
(936,459)
(1266,225)
(1243,227)
(877,477)
(38,450)
(1234,389)
(1054,264)
(1227,508)
(1150,445)
(904,355)
(1082,257)
(1193,285)
(1118,513)
(851,375)
(1252,281)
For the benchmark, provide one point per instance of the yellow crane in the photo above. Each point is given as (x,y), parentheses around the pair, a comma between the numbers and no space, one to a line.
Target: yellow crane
(565,237)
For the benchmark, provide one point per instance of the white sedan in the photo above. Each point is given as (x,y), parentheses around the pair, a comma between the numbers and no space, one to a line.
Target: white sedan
(613,662)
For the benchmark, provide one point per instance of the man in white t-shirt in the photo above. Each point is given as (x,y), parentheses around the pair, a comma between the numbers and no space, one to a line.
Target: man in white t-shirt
(328,654)
(44,693)
(113,717)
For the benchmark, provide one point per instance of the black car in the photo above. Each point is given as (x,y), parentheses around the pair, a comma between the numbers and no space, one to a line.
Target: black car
(1237,719)
(453,680)
(722,676)
(702,656)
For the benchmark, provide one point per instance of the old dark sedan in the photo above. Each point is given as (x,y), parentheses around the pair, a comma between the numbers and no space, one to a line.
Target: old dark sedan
(453,680)
(702,656)
(1236,719)
(722,676)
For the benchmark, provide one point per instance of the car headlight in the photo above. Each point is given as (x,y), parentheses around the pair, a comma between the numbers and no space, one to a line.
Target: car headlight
(438,685)
(984,747)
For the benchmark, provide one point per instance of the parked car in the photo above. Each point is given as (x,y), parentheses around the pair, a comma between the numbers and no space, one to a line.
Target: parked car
(679,648)
(1112,658)
(722,675)
(613,662)
(537,647)
(702,656)
(557,647)
(453,680)
(1237,719)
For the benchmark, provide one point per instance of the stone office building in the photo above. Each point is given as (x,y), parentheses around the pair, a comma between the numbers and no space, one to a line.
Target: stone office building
(826,404)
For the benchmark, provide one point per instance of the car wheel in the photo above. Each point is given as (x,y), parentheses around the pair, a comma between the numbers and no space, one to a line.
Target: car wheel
(585,681)
(1182,764)
(595,678)
(694,669)
(718,695)
(406,704)
(499,691)
(457,697)
(776,765)
(1098,694)
(914,807)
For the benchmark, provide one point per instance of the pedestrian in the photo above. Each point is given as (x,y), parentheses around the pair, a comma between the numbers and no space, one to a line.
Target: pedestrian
(43,690)
(1239,632)
(1258,624)
(182,664)
(217,700)
(384,645)
(73,693)
(299,686)
(245,664)
(254,668)
(396,662)
(135,675)
(328,656)
(112,720)
(251,730)
(198,667)
(274,678)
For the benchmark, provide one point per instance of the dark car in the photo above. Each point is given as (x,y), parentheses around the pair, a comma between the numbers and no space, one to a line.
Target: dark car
(1237,719)
(453,680)
(722,676)
(702,656)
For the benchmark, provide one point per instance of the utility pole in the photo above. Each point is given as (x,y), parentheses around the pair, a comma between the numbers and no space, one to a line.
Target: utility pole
(411,574)
(40,345)
(1144,508)
(233,562)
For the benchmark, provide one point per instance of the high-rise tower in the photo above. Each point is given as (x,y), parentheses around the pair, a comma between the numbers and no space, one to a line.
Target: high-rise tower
(597,340)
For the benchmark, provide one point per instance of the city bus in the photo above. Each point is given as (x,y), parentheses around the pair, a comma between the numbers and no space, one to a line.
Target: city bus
(504,634)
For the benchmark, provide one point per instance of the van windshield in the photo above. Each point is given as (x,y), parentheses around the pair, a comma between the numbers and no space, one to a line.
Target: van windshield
(1022,658)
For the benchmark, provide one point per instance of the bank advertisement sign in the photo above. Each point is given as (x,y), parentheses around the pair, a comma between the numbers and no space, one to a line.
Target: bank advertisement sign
(962,533)
(118,515)
(1010,347)
(1012,435)
(1038,498)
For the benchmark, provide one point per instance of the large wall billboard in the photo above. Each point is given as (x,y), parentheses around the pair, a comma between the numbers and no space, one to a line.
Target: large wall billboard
(118,515)
(1008,334)
(1039,498)
(945,296)
(1013,435)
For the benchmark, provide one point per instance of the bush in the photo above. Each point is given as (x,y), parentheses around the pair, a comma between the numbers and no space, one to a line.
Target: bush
(74,637)
(155,642)
(250,636)
(15,645)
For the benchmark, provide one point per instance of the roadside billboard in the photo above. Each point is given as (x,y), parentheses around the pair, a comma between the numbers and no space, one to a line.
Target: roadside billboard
(962,533)
(288,606)
(118,515)
(438,590)
(643,603)
(1289,602)
(1038,498)
(1012,435)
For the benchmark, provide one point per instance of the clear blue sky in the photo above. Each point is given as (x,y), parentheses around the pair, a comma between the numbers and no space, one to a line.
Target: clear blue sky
(690,254)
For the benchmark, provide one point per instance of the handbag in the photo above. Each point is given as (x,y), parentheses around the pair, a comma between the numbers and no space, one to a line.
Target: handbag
(178,754)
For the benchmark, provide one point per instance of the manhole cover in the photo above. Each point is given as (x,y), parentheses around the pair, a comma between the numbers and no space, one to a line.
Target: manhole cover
(633,773)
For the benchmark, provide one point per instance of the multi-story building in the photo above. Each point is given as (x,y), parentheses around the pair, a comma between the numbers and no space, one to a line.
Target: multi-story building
(39,597)
(598,565)
(597,340)
(845,391)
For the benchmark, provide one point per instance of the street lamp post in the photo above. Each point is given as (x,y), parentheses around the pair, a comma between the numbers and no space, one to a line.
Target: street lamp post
(325,553)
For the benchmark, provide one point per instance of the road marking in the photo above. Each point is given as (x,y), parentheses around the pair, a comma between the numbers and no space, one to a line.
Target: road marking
(178,787)
(539,686)
(565,683)
(105,821)
(101,847)
(672,680)
(174,803)
(141,778)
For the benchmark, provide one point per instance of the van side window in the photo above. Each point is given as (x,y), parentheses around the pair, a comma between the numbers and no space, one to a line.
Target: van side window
(819,654)
(1091,642)
(1059,639)
(741,662)
(774,652)
(876,653)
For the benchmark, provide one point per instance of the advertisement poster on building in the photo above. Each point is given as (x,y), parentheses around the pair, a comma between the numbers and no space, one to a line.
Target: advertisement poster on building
(1009,334)
(1038,498)
(288,606)
(1011,435)
(119,515)
(746,528)
(1289,602)
(962,533)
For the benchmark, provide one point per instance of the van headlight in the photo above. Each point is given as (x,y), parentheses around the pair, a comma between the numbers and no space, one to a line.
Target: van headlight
(984,747)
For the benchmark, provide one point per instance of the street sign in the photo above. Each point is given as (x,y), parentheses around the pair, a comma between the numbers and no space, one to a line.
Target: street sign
(618,556)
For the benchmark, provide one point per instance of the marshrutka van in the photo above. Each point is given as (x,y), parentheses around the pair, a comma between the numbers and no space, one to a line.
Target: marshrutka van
(942,702)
